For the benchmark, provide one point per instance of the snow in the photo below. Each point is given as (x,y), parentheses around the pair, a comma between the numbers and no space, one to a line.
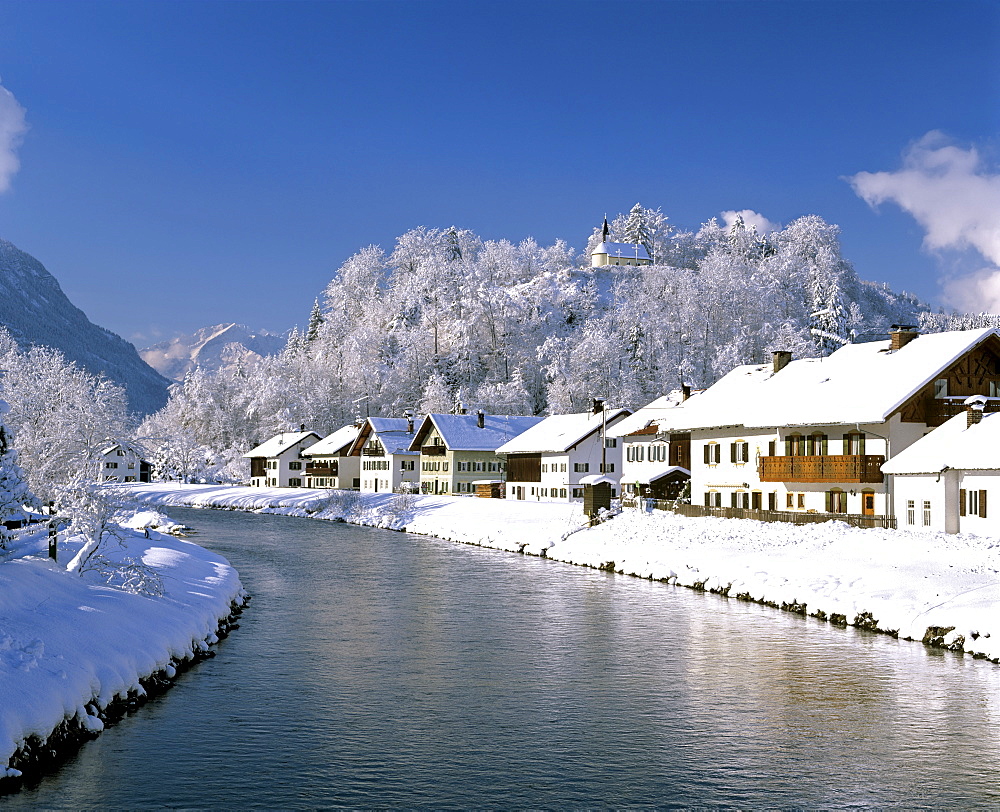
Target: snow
(461,432)
(859,383)
(907,581)
(951,445)
(560,432)
(70,644)
(333,445)
(280,443)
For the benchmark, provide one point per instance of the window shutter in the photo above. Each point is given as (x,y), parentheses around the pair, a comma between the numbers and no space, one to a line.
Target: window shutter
(708,499)
(982,504)
(746,452)
(824,446)
(861,445)
(732,453)
(708,450)
(788,446)
(732,499)
(829,501)
(771,448)
(961,502)
(718,453)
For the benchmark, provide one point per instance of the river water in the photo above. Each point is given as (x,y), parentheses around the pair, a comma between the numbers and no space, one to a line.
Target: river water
(380,669)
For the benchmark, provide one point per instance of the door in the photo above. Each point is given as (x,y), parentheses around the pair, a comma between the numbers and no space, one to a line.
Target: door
(868,503)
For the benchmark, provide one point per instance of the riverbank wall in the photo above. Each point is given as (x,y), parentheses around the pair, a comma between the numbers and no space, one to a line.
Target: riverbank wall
(78,652)
(941,590)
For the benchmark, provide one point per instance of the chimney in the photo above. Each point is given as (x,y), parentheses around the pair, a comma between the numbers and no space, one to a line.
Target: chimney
(598,405)
(901,334)
(685,391)
(781,359)
(302,427)
(974,410)
(409,421)
(481,419)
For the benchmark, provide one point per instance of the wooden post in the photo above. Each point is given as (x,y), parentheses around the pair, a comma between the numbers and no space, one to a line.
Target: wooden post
(53,538)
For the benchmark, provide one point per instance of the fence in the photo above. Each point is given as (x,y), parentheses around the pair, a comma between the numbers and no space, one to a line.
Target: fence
(792,517)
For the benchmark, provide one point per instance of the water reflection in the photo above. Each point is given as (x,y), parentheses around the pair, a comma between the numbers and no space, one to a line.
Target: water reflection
(375,668)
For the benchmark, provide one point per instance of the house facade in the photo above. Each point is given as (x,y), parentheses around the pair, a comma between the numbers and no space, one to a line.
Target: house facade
(459,450)
(656,464)
(812,435)
(280,463)
(949,480)
(548,461)
(328,463)
(120,463)
(385,461)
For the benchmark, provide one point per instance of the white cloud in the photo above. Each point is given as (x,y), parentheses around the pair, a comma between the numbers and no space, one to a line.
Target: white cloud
(956,199)
(750,218)
(12,129)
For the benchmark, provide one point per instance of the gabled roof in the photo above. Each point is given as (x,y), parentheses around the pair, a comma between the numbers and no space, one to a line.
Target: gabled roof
(859,383)
(280,443)
(560,432)
(621,249)
(644,420)
(336,444)
(461,432)
(391,432)
(953,444)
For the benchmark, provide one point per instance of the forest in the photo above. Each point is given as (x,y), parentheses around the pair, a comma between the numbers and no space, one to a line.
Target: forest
(447,320)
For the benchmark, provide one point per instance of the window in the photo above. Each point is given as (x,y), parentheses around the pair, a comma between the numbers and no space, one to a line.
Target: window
(713,499)
(713,453)
(973,508)
(972,503)
(562,493)
(818,444)
(740,499)
(801,501)
(295,465)
(111,465)
(444,466)
(941,388)
(607,468)
(795,445)
(131,465)
(120,453)
(911,512)
(854,443)
(578,493)
(611,442)
(406,465)
(927,514)
(581,467)
(994,390)
(836,501)
(739,452)
(545,467)
(294,483)
(789,500)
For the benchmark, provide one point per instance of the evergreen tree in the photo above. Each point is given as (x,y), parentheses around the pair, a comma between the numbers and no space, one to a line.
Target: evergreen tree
(315,322)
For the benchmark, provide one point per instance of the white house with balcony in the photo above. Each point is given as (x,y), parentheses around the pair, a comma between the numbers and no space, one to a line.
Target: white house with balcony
(812,435)
(949,480)
(280,463)
(548,461)
(382,449)
(329,464)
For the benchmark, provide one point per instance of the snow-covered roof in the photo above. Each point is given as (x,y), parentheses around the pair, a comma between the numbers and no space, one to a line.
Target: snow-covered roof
(673,469)
(461,432)
(391,432)
(649,414)
(336,444)
(596,479)
(560,432)
(954,444)
(859,383)
(280,443)
(622,249)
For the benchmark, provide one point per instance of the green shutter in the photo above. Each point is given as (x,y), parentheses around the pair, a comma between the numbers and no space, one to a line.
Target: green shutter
(961,502)
(982,504)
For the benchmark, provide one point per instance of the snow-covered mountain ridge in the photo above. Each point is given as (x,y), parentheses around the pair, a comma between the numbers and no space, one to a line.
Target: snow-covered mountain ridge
(35,311)
(210,348)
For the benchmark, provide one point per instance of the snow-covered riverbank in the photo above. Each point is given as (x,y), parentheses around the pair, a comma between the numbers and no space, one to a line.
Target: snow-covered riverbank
(944,590)
(75,649)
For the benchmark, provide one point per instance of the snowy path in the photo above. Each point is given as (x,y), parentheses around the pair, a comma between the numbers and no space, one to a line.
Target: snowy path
(71,644)
(896,581)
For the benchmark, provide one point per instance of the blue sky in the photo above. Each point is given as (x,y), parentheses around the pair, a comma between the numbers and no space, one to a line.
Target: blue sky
(188,164)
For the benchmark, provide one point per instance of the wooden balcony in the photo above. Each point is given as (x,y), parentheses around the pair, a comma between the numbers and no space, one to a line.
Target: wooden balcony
(847,468)
(433,450)
(372,451)
(321,470)
(938,410)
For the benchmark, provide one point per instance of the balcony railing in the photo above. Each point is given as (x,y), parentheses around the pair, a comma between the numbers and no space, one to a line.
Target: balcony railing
(938,410)
(322,470)
(433,450)
(372,451)
(827,468)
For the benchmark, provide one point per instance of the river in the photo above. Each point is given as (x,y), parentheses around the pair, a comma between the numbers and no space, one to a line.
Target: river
(381,669)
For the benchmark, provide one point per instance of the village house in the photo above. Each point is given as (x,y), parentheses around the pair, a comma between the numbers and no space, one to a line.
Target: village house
(548,461)
(811,435)
(459,450)
(328,463)
(386,462)
(279,463)
(120,463)
(656,464)
(944,481)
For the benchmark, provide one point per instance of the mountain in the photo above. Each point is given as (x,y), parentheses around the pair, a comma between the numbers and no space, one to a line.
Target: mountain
(35,311)
(210,348)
